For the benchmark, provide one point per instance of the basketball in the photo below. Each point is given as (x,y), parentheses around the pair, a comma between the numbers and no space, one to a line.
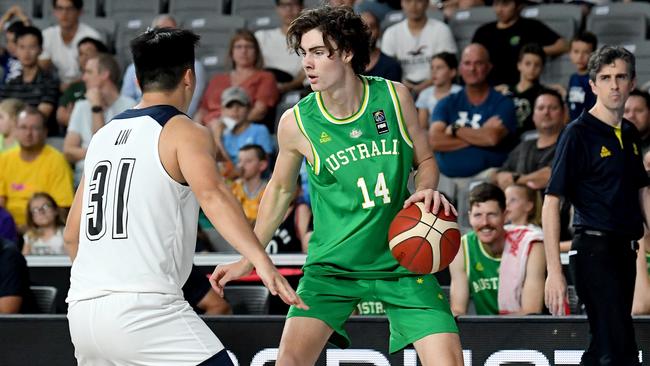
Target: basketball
(423,242)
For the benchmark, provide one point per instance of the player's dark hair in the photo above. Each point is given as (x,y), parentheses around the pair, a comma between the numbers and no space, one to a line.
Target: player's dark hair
(162,56)
(606,55)
(30,30)
(588,38)
(99,45)
(554,93)
(338,24)
(78,4)
(448,58)
(643,94)
(532,49)
(32,228)
(484,192)
(259,151)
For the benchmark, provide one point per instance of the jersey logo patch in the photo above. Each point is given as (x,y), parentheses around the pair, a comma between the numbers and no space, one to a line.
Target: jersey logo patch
(636,149)
(479,267)
(420,280)
(324,137)
(356,133)
(604,152)
(380,121)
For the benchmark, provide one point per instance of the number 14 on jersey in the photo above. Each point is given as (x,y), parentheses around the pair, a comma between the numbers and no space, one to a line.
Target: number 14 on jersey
(381,190)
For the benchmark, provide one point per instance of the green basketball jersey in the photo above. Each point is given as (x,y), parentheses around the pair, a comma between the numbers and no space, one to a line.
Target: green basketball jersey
(647,259)
(357,182)
(483,275)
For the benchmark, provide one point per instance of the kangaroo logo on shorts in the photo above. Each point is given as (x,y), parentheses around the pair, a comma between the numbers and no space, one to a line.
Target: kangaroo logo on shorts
(380,121)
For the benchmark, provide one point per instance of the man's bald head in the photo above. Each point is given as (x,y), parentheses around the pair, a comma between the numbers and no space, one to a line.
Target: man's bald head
(475,65)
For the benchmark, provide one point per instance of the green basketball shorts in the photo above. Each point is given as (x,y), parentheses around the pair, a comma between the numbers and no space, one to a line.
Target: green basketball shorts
(415,305)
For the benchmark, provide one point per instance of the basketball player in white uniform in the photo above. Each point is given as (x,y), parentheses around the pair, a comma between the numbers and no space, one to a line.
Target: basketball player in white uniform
(132,226)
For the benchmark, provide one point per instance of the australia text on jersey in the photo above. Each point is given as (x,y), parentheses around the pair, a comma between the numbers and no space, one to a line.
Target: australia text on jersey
(360,152)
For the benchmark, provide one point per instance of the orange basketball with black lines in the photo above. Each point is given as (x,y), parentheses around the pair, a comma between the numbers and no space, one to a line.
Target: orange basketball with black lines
(423,242)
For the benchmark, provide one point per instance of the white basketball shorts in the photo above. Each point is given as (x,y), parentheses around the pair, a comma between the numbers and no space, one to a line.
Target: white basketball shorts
(139,329)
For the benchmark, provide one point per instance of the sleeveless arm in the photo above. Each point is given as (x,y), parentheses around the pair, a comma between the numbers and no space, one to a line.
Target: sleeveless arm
(532,292)
(72,226)
(280,190)
(459,291)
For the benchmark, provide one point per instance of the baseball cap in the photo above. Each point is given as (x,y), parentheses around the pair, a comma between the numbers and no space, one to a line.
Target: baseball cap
(234,94)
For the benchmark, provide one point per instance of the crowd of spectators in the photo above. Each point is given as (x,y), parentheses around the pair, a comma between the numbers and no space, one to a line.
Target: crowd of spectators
(492,124)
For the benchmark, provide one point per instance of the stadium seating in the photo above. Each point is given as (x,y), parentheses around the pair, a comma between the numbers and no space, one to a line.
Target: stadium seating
(564,19)
(28,6)
(558,70)
(215,32)
(641,52)
(45,296)
(464,23)
(127,29)
(183,10)
(127,9)
(247,300)
(619,23)
(257,13)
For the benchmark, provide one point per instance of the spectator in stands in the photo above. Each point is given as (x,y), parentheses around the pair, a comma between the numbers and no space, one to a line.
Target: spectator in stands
(9,109)
(103,101)
(44,234)
(523,206)
(130,86)
(505,38)
(87,48)
(200,295)
(641,302)
(472,130)
(34,167)
(60,41)
(637,111)
(450,7)
(8,60)
(34,86)
(414,41)
(579,95)
(523,94)
(249,188)
(501,268)
(380,64)
(530,162)
(285,64)
(8,230)
(246,73)
(15,295)
(235,130)
(444,69)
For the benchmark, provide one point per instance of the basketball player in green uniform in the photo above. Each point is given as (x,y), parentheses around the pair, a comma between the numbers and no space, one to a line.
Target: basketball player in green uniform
(361,138)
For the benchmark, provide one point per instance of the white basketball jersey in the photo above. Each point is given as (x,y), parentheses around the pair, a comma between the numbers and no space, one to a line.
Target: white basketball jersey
(138,225)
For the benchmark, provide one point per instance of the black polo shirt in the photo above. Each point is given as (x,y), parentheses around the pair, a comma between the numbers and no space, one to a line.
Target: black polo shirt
(600,177)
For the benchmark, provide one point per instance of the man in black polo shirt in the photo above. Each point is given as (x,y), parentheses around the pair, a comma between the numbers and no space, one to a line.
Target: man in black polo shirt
(598,168)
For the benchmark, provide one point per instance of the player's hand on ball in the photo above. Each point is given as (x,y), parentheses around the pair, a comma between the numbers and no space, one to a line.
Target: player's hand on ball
(555,293)
(225,273)
(279,286)
(432,201)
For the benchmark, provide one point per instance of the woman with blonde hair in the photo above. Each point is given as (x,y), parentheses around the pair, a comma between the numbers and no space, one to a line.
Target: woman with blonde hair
(9,109)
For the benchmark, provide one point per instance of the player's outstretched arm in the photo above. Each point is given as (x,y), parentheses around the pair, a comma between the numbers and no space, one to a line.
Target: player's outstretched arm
(426,179)
(555,288)
(72,224)
(197,165)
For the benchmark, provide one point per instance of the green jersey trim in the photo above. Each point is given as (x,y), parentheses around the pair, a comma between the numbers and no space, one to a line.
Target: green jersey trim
(398,112)
(485,253)
(463,242)
(352,118)
(316,165)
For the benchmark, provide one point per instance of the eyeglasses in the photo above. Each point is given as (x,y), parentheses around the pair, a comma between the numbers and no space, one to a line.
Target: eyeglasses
(42,210)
